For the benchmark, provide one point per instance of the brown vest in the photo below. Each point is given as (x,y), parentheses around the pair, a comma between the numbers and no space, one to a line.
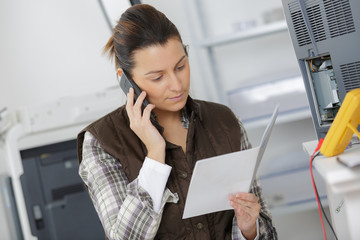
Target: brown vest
(213,130)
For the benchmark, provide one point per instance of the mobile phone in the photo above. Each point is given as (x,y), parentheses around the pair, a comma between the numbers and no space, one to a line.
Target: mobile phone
(126,83)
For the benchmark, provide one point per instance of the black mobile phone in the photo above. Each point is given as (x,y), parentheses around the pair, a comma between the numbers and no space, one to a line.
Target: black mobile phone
(126,83)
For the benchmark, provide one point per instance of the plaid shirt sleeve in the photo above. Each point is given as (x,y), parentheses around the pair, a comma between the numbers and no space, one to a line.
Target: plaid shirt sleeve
(125,209)
(265,228)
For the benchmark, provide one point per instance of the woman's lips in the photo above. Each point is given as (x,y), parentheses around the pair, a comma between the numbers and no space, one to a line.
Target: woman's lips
(177,98)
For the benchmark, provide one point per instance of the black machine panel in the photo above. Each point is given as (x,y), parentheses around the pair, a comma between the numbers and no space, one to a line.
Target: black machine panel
(57,203)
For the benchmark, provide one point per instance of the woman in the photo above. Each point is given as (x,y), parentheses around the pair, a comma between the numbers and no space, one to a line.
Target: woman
(137,171)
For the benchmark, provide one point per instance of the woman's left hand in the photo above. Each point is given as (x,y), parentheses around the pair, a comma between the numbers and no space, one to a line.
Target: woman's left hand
(247,209)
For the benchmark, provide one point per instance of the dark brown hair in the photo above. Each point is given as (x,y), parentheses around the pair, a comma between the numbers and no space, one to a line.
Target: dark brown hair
(140,26)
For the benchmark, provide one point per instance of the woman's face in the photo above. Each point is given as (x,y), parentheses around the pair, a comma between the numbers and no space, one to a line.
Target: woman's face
(163,72)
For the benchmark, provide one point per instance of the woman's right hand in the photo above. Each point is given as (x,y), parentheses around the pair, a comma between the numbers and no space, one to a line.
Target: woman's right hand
(140,123)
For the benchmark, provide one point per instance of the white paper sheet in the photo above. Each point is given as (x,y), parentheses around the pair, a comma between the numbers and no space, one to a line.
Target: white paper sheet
(214,179)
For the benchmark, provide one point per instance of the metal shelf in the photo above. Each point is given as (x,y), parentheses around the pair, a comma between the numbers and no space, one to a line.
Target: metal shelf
(282,118)
(263,30)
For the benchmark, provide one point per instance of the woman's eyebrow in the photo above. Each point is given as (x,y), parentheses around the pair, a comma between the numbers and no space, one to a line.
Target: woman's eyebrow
(157,71)
(180,60)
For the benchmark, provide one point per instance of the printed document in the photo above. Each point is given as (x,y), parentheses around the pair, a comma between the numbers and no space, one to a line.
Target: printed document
(214,179)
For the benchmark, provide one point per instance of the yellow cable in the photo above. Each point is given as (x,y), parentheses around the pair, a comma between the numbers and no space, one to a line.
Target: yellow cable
(311,66)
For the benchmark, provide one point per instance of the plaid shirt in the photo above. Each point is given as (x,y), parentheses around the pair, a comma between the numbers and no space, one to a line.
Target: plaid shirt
(125,208)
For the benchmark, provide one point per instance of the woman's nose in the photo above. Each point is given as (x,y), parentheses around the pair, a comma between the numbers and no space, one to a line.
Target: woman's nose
(175,83)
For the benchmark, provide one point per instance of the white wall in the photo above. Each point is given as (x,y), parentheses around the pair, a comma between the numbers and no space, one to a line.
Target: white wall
(51,49)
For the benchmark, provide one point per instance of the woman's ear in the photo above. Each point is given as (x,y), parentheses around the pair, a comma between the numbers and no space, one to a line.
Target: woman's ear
(119,72)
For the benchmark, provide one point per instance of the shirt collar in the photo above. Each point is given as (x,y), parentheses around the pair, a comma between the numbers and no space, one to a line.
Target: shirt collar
(193,107)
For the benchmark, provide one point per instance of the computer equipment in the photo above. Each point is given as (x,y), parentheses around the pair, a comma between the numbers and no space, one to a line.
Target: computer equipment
(57,203)
(325,36)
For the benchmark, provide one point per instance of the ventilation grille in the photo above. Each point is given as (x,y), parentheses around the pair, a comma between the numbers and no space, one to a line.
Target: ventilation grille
(327,18)
(299,25)
(316,22)
(351,75)
(339,17)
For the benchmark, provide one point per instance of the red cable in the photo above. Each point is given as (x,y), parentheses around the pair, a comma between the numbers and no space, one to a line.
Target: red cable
(313,182)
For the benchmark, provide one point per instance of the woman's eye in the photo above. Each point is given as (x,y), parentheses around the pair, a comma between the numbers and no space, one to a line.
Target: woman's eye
(158,78)
(180,67)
